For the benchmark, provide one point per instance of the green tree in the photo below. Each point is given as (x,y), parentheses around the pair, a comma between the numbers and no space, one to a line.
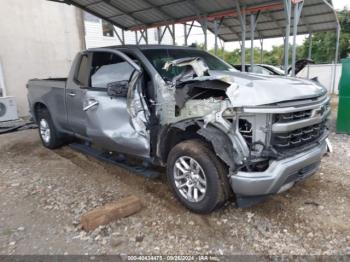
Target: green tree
(324,43)
(323,47)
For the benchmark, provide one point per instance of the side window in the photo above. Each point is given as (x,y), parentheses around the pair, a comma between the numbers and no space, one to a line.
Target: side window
(108,68)
(266,72)
(82,76)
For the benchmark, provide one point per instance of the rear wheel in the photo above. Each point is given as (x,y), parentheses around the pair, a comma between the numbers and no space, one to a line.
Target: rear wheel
(197,177)
(47,131)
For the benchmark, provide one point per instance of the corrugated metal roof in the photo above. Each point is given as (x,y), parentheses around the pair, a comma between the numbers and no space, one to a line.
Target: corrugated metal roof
(139,14)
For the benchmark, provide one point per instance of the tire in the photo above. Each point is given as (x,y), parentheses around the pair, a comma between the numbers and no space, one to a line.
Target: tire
(48,133)
(211,170)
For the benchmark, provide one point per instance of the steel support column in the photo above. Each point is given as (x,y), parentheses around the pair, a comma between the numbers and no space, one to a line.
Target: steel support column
(159,35)
(143,34)
(252,33)
(223,50)
(309,55)
(287,12)
(173,33)
(204,25)
(161,32)
(242,20)
(310,46)
(297,12)
(336,56)
(216,29)
(187,32)
(261,50)
(120,38)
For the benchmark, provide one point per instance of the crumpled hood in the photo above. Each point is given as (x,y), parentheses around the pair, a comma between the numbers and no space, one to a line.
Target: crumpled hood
(254,90)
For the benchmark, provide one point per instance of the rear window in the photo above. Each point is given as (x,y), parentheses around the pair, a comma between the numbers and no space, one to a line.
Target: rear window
(83,72)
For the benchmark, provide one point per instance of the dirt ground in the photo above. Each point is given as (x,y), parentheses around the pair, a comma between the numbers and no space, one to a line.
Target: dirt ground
(44,192)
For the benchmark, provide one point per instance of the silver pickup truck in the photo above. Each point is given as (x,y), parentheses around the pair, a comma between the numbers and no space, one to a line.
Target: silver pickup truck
(218,132)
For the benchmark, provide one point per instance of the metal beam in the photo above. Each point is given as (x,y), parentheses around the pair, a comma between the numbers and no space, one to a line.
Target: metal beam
(187,32)
(211,16)
(336,55)
(304,32)
(223,49)
(158,35)
(143,34)
(161,33)
(280,20)
(216,29)
(309,55)
(205,32)
(242,19)
(310,47)
(276,21)
(261,50)
(164,13)
(152,6)
(287,12)
(82,7)
(121,38)
(298,7)
(173,33)
(123,11)
(231,29)
(252,32)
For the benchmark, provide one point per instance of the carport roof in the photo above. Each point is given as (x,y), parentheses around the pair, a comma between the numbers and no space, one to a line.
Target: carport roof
(316,16)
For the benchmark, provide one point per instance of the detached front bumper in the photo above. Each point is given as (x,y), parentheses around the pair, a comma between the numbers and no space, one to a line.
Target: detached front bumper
(251,187)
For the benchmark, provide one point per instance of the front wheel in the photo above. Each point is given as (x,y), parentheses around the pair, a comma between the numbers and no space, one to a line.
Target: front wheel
(197,177)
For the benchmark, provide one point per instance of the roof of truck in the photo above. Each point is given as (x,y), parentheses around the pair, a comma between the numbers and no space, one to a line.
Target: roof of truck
(143,47)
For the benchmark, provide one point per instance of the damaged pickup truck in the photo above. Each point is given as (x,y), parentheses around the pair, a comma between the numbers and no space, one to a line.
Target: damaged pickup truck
(218,132)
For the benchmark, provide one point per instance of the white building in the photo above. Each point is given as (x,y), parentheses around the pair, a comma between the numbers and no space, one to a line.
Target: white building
(38,39)
(98,33)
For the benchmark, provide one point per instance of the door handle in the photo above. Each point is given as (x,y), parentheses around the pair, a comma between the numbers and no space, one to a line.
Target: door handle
(72,94)
(91,104)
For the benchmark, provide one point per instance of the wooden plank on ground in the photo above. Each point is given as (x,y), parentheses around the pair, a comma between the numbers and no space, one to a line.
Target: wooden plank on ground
(109,212)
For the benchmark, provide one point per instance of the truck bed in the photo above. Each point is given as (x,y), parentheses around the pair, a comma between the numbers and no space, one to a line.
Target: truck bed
(48,82)
(49,91)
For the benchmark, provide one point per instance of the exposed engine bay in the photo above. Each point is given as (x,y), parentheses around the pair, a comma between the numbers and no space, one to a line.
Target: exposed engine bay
(213,100)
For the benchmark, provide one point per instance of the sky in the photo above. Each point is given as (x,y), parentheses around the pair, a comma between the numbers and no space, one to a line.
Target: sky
(197,35)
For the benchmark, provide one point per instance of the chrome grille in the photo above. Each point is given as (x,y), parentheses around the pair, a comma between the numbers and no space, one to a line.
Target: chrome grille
(298,137)
(289,117)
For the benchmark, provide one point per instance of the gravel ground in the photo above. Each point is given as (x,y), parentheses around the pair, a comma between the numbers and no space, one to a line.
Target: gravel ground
(44,192)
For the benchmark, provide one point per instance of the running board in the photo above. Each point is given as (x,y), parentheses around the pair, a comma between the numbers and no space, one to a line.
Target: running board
(118,160)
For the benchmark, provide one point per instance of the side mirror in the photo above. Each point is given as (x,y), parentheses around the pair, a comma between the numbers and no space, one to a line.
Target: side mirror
(118,89)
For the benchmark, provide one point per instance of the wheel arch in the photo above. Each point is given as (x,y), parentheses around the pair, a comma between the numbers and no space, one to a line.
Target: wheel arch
(216,139)
(37,106)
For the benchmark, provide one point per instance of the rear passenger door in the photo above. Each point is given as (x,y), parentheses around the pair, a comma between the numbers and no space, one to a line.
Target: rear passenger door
(115,110)
(75,93)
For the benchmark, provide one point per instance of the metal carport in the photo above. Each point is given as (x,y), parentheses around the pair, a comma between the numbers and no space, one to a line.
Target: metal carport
(229,20)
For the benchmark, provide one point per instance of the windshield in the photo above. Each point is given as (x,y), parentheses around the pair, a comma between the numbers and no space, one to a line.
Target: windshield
(158,57)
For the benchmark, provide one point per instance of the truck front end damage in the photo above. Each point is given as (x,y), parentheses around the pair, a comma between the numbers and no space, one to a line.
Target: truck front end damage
(269,138)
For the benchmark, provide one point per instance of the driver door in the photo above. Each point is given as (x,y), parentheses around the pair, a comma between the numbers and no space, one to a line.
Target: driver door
(116,113)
